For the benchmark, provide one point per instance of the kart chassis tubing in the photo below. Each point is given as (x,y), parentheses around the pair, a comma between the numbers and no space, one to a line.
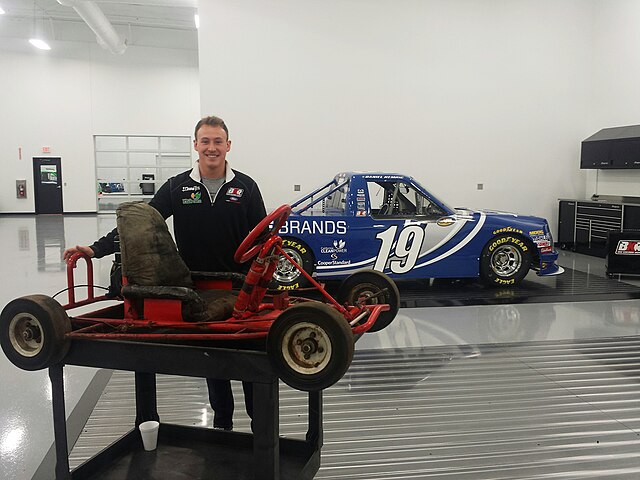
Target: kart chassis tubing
(86,325)
(310,342)
(252,317)
(312,339)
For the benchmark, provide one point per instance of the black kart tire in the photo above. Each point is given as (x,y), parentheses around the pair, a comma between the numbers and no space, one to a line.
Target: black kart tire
(378,287)
(33,332)
(310,346)
(288,277)
(505,260)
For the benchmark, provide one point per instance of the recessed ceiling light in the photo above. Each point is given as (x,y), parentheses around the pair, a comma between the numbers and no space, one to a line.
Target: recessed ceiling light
(196,18)
(1,11)
(41,44)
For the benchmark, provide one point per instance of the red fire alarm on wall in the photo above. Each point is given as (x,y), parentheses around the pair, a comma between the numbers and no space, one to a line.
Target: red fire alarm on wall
(46,149)
(21,189)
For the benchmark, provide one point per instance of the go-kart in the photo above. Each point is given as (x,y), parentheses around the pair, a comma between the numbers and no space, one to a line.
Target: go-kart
(310,343)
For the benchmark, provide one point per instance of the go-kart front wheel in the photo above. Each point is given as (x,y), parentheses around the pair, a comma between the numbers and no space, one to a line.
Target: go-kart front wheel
(32,332)
(310,346)
(372,287)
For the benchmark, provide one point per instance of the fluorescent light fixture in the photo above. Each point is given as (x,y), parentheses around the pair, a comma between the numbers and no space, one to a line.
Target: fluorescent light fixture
(41,44)
(196,18)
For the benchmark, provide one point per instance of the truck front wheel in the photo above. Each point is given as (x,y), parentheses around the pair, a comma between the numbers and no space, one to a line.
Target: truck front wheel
(287,276)
(505,260)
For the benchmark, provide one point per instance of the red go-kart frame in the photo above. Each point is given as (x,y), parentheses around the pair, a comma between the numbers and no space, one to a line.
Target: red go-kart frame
(310,343)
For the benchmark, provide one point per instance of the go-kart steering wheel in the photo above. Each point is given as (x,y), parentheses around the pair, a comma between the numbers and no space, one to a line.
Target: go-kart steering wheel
(252,244)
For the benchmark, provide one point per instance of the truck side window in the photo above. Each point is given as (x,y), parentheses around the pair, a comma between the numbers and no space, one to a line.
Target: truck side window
(399,200)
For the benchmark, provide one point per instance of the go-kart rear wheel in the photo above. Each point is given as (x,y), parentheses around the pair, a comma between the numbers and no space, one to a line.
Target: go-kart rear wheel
(32,332)
(373,287)
(310,346)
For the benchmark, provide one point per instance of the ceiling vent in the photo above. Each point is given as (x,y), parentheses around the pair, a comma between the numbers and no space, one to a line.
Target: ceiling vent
(107,36)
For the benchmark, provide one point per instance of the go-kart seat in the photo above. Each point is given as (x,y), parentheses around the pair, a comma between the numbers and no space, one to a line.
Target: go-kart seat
(153,267)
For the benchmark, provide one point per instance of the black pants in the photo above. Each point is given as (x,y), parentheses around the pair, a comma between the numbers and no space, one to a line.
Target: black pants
(221,398)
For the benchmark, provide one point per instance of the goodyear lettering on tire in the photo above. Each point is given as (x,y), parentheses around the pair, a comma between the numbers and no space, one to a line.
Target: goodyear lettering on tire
(507,230)
(503,240)
(294,244)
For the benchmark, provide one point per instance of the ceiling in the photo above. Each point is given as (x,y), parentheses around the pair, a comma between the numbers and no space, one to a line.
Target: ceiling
(174,14)
(156,23)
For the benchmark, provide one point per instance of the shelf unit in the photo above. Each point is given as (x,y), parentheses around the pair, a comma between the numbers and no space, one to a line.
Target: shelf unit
(122,160)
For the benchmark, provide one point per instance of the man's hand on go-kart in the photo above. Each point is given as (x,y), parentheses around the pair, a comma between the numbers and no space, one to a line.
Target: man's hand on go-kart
(78,248)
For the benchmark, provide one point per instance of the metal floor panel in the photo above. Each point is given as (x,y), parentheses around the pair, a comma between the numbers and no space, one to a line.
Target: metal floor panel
(546,410)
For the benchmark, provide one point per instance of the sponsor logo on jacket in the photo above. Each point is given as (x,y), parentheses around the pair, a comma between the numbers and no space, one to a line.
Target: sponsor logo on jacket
(235,192)
(195,197)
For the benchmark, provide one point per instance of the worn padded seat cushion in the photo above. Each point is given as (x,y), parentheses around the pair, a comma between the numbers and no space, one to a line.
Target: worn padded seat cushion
(149,254)
(154,268)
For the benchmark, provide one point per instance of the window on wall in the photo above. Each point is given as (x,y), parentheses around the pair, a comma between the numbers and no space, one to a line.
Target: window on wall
(132,167)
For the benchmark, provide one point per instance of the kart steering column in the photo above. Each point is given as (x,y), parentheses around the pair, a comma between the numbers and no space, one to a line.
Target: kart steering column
(257,280)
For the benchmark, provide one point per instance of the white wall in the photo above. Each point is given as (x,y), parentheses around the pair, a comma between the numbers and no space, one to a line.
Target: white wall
(453,93)
(63,97)
(616,77)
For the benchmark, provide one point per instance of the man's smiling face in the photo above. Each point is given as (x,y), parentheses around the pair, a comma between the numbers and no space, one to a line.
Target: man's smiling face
(212,146)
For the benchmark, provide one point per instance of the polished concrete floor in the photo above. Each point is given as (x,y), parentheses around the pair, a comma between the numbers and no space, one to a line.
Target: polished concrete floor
(32,246)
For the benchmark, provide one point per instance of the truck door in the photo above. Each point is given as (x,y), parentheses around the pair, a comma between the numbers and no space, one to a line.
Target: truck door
(404,227)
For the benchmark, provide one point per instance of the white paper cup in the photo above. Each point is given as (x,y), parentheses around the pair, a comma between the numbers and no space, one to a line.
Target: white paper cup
(149,433)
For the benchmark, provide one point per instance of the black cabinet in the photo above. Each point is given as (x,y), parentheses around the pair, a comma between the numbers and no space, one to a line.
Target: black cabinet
(623,254)
(610,148)
(595,155)
(631,219)
(625,154)
(584,226)
(567,224)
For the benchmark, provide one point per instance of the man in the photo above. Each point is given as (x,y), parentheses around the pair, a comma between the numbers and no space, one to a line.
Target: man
(214,208)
